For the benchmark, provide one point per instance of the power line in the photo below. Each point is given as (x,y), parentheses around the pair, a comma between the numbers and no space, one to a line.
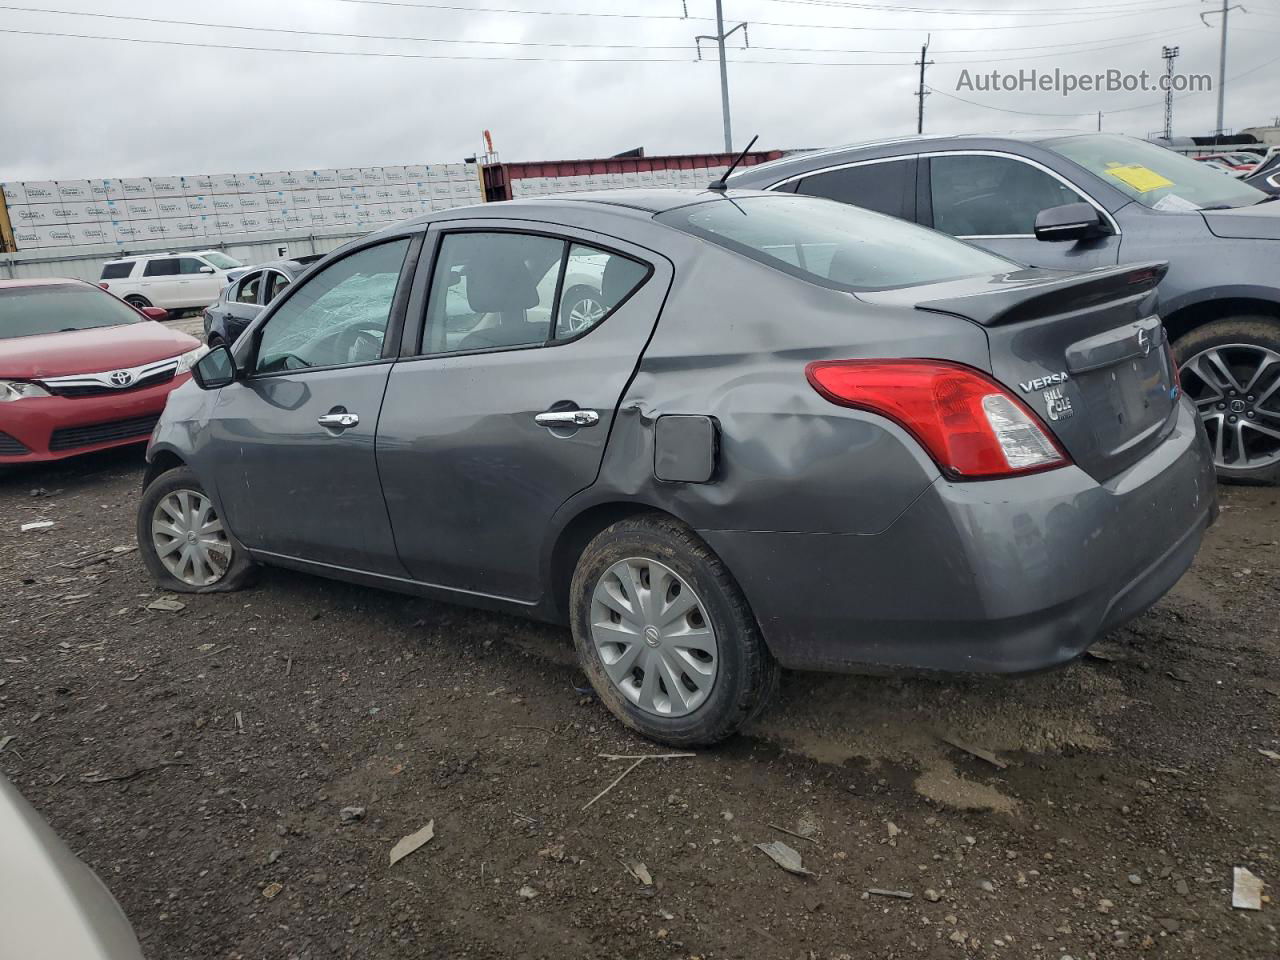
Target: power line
(1137,6)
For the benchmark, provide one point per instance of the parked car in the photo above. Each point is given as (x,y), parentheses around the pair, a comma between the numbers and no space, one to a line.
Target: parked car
(1222,167)
(1267,177)
(245,296)
(1239,160)
(51,904)
(80,370)
(742,462)
(175,281)
(1098,199)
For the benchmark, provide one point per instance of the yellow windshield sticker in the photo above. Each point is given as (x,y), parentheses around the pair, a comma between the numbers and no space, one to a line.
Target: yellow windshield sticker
(1142,179)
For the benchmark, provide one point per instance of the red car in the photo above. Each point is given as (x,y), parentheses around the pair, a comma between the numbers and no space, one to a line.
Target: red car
(81,370)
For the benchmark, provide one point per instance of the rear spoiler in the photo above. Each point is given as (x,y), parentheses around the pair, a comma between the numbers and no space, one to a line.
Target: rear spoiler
(1016,301)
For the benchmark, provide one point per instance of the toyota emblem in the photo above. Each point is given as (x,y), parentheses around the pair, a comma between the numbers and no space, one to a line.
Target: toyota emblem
(121,378)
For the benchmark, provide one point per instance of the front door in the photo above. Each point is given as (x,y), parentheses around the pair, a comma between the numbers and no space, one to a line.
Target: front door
(294,438)
(504,413)
(991,201)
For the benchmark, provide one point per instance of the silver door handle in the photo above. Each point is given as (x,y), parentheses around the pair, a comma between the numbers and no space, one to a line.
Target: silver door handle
(339,420)
(567,418)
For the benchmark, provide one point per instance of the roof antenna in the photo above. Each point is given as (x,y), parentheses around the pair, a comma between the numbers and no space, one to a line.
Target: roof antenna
(723,183)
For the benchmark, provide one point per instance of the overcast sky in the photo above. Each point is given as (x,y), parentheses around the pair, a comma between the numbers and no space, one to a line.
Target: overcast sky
(82,107)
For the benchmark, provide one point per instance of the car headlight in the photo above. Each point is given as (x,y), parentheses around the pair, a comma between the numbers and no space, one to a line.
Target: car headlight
(11,390)
(190,359)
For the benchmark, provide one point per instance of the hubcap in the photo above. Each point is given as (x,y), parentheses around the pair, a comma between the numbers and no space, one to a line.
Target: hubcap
(1235,389)
(189,539)
(654,637)
(585,313)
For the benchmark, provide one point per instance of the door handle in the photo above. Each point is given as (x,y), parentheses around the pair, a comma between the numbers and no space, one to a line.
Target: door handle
(567,418)
(338,421)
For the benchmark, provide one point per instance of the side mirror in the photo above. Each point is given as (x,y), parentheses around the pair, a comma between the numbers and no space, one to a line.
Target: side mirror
(207,270)
(215,369)
(156,313)
(1071,221)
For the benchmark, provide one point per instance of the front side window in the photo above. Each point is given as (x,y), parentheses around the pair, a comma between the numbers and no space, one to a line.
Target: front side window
(985,196)
(221,260)
(338,316)
(1155,177)
(885,187)
(191,265)
(247,291)
(59,308)
(494,290)
(167,267)
(276,282)
(832,243)
(117,271)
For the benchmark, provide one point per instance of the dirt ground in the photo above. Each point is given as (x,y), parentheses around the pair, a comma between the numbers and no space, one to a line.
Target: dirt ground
(200,761)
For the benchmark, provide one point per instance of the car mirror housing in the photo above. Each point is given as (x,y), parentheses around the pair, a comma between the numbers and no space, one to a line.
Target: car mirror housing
(215,369)
(207,270)
(1071,221)
(159,314)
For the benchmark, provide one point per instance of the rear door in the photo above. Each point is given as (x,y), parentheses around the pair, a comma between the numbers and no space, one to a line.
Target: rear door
(160,282)
(992,199)
(503,411)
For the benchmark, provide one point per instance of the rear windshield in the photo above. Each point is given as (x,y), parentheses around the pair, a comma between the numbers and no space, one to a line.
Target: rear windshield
(116,271)
(59,308)
(221,260)
(832,243)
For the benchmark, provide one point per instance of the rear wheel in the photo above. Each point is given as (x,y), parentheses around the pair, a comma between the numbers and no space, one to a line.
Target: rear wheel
(137,301)
(182,540)
(665,635)
(1230,370)
(582,309)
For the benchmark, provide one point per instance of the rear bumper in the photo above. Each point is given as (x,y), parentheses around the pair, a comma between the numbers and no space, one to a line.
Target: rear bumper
(40,429)
(999,576)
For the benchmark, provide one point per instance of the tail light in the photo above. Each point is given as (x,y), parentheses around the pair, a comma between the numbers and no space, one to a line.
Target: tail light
(970,425)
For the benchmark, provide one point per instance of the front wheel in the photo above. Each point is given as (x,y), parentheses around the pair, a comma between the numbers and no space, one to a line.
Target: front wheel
(137,301)
(183,542)
(665,635)
(1230,369)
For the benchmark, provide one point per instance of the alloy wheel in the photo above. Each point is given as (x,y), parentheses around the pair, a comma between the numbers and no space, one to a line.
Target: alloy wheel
(584,313)
(654,637)
(1236,390)
(189,538)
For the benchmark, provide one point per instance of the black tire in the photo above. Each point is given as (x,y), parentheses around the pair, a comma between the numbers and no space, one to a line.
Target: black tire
(1250,330)
(746,674)
(137,301)
(238,570)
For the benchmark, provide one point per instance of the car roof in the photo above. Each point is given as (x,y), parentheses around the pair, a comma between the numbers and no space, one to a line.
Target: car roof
(42,282)
(158,254)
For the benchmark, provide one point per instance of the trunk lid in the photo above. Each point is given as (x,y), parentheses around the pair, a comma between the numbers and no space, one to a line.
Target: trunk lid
(1085,351)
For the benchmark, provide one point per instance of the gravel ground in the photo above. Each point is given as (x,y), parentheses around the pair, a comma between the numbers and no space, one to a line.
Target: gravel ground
(201,760)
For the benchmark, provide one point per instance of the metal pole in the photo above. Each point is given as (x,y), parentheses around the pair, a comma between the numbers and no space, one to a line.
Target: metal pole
(1222,66)
(920,92)
(724,79)
(1099,121)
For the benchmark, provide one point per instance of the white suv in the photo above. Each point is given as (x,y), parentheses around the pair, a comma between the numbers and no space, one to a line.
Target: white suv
(175,281)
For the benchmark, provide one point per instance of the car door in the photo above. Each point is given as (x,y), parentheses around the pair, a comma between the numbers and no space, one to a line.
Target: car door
(992,199)
(884,185)
(292,441)
(159,282)
(243,304)
(502,412)
(200,281)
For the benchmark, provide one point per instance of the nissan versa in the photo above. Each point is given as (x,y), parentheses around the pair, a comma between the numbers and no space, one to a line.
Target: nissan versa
(796,434)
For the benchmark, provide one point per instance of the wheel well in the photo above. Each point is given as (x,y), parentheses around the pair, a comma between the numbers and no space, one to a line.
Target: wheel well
(1181,322)
(574,539)
(162,462)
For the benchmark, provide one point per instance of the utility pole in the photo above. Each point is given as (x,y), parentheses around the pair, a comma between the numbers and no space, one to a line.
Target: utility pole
(1170,54)
(1099,121)
(1222,59)
(721,35)
(921,93)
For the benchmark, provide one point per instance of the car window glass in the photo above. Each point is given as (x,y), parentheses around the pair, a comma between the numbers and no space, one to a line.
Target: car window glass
(595,282)
(276,282)
(116,271)
(492,290)
(338,316)
(983,196)
(883,187)
(247,292)
(59,307)
(167,267)
(190,265)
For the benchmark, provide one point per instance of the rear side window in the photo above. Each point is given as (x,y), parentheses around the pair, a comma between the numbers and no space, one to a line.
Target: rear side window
(832,243)
(167,267)
(276,283)
(493,290)
(885,187)
(117,271)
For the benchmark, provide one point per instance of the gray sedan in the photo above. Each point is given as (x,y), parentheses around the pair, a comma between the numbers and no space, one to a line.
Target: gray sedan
(1084,200)
(795,434)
